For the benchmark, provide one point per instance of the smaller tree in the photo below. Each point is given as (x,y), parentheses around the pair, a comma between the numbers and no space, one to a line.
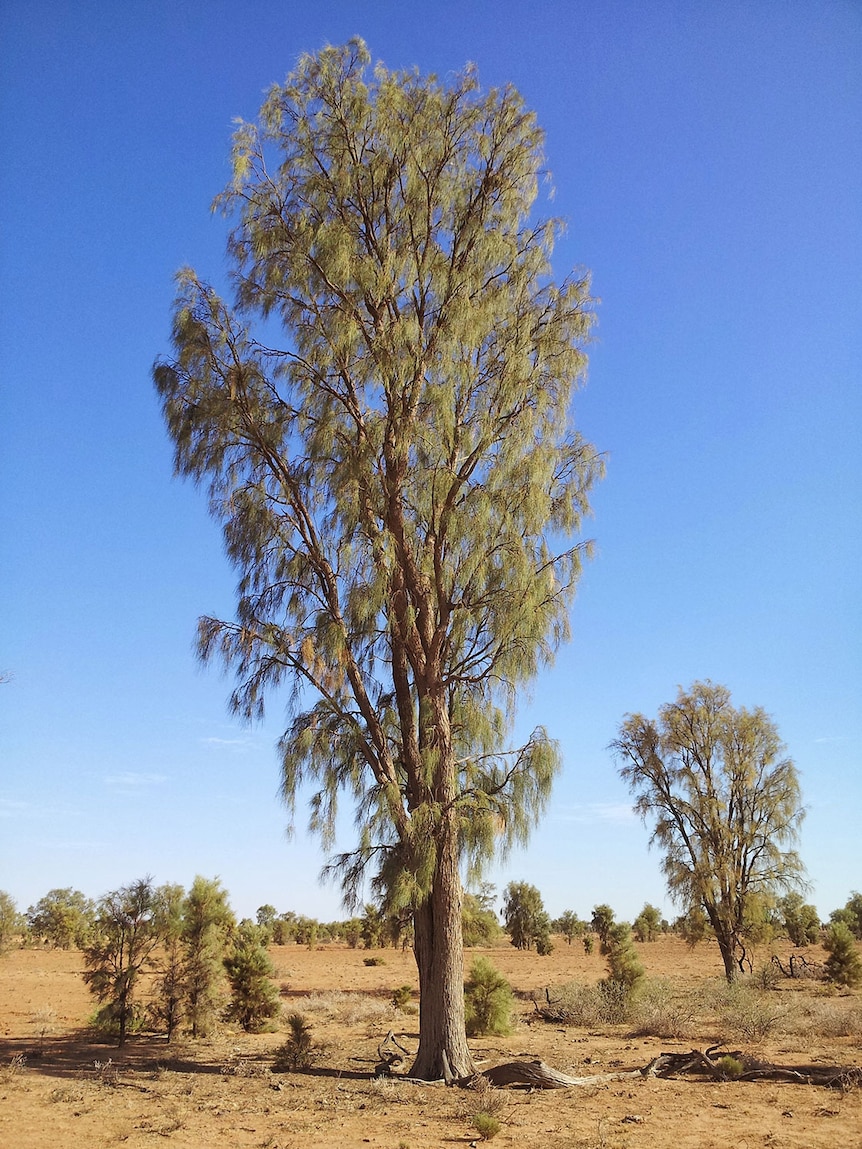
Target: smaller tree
(692,926)
(11,922)
(624,967)
(63,917)
(798,919)
(207,924)
(526,921)
(372,927)
(725,803)
(478,919)
(601,922)
(254,998)
(844,965)
(170,984)
(284,929)
(569,925)
(265,918)
(123,940)
(647,925)
(850,915)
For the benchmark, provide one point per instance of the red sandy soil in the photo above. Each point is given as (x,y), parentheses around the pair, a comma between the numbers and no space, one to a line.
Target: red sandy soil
(61,1086)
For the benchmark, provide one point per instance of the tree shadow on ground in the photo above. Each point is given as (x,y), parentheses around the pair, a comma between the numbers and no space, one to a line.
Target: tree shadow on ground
(81,1055)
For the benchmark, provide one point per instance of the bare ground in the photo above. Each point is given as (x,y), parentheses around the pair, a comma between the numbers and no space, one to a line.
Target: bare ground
(60,1086)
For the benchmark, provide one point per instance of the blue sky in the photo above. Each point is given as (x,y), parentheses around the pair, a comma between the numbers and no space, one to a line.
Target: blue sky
(708,160)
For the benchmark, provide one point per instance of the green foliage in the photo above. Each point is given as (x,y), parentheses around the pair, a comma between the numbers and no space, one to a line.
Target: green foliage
(624,966)
(478,920)
(63,917)
(299,1051)
(569,925)
(692,926)
(589,944)
(725,803)
(844,965)
(401,996)
(798,919)
(486,1125)
(526,921)
(207,924)
(11,922)
(488,1000)
(601,922)
(850,915)
(647,925)
(401,488)
(730,1067)
(169,990)
(254,998)
(120,947)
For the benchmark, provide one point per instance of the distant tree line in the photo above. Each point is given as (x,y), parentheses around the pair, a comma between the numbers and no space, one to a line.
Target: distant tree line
(206,965)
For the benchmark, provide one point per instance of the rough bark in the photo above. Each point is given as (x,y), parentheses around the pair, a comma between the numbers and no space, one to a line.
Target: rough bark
(439,952)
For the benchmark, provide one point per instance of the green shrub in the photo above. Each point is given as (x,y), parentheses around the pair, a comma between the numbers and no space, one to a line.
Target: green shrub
(254,997)
(730,1067)
(401,996)
(374,961)
(624,966)
(843,966)
(486,1126)
(298,1052)
(488,1000)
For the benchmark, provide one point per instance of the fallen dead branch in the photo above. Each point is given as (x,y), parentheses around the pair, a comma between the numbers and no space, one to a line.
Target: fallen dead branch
(736,1066)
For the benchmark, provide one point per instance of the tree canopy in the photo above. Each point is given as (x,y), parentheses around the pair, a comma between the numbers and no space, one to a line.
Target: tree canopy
(383,420)
(725,802)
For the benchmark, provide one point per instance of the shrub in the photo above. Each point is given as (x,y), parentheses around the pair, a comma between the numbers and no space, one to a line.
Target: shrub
(401,996)
(298,1052)
(624,966)
(659,1011)
(373,961)
(843,966)
(608,1003)
(730,1067)
(488,1000)
(749,1014)
(486,1125)
(254,997)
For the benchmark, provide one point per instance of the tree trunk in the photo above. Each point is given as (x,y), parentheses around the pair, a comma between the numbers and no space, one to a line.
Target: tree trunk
(439,951)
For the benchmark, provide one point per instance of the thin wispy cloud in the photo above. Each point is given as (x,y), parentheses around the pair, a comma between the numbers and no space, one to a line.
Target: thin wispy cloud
(132,780)
(228,743)
(591,813)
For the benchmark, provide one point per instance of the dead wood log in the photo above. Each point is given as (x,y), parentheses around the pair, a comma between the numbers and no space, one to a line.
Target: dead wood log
(538,1075)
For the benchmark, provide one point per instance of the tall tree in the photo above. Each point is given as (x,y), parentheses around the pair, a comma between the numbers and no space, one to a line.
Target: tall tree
(725,801)
(399,480)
